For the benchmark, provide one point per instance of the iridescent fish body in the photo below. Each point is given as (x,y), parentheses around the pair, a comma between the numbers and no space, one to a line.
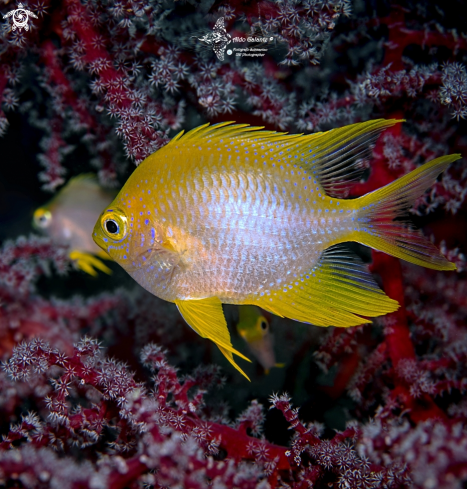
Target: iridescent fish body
(70,217)
(234,214)
(254,328)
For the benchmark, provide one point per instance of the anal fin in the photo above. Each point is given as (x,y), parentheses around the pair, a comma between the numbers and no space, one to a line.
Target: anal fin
(206,317)
(337,292)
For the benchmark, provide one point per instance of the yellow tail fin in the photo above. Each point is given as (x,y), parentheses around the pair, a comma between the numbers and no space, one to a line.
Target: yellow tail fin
(378,209)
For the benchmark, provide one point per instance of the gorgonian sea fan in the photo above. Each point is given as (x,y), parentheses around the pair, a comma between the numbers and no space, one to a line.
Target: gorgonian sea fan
(98,86)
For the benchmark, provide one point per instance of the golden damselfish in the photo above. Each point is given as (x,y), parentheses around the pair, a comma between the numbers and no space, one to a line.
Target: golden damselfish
(234,214)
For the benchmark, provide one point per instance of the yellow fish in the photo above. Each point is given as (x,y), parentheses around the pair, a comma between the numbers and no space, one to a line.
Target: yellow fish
(70,216)
(235,214)
(253,327)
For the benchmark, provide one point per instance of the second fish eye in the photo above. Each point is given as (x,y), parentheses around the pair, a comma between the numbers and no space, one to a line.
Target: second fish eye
(42,218)
(111,226)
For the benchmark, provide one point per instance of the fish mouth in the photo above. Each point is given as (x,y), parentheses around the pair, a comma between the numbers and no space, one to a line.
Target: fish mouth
(98,238)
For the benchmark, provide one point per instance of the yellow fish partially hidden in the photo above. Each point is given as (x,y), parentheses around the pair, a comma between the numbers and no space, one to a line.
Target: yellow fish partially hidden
(233,214)
(254,328)
(70,216)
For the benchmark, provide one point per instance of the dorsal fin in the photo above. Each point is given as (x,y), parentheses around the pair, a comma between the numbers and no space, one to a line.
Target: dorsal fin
(335,158)
(338,156)
(230,130)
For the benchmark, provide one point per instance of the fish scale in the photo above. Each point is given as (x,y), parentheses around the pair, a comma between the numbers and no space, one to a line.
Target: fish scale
(234,203)
(233,214)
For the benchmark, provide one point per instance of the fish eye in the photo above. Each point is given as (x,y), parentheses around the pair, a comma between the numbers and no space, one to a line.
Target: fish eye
(111,226)
(42,218)
(263,324)
(114,224)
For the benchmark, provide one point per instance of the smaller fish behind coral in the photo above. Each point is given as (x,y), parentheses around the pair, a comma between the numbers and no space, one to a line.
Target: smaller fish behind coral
(70,217)
(254,328)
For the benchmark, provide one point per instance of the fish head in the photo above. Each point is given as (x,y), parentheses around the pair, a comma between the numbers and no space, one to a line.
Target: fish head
(112,233)
(253,326)
(140,250)
(261,327)
(42,219)
(70,215)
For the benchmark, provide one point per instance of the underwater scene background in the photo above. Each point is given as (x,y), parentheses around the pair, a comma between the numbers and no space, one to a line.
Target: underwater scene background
(103,385)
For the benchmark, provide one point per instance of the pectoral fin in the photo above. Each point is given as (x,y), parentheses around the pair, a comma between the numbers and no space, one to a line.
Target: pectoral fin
(206,317)
(159,258)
